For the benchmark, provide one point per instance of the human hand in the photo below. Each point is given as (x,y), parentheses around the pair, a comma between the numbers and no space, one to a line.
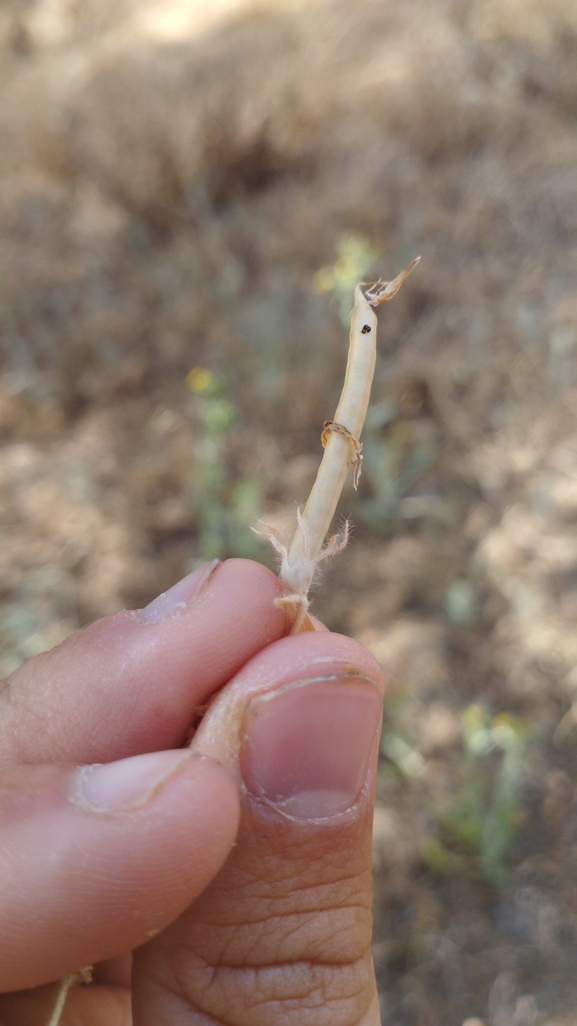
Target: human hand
(240,869)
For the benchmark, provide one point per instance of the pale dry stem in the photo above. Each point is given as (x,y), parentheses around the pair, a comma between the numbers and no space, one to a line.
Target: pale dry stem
(82,976)
(340,438)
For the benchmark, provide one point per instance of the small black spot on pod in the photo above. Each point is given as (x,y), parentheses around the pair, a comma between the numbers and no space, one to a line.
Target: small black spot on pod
(365,330)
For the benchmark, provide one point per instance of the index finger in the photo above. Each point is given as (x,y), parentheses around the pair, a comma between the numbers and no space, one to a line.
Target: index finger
(131,683)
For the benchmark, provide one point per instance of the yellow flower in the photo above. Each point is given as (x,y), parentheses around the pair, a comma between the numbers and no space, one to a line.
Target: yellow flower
(199,379)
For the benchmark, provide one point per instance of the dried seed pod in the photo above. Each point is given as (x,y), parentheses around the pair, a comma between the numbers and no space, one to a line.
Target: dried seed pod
(342,450)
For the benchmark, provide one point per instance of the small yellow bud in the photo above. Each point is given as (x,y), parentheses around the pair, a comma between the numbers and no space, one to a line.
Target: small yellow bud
(199,380)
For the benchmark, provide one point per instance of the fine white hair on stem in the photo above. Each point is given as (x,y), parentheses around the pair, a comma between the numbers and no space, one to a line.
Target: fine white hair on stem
(300,559)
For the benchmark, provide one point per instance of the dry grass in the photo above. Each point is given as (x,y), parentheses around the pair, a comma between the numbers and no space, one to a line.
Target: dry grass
(169,189)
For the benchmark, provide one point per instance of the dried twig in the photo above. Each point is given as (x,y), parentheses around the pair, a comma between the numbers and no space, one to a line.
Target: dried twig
(340,438)
(82,976)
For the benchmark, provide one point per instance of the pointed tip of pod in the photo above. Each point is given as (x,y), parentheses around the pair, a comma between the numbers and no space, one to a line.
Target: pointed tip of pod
(381,291)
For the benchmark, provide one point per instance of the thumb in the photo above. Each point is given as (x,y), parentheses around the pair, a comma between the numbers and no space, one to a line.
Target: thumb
(95,860)
(283,933)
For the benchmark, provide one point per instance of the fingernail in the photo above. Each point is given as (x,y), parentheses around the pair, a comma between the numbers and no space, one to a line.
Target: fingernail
(307,746)
(127,784)
(179,596)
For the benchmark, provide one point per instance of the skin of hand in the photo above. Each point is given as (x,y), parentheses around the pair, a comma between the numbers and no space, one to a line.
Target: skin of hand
(238,870)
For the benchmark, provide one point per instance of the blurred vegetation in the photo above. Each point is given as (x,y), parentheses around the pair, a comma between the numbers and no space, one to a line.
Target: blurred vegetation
(487,810)
(477,823)
(225,509)
(188,195)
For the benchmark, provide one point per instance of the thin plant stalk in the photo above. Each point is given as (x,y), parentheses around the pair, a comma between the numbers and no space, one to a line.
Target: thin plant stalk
(341,439)
(65,985)
(83,976)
